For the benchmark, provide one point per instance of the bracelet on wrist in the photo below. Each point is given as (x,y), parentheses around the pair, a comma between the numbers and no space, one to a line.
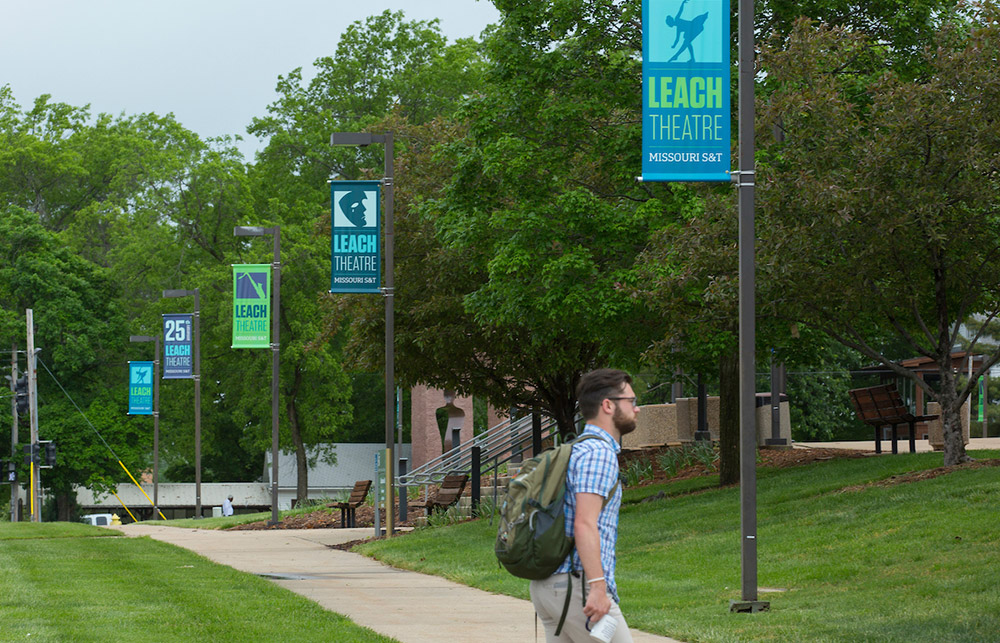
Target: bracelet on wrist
(595,580)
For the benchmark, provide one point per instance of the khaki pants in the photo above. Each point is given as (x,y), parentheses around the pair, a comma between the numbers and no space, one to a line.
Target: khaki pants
(549,596)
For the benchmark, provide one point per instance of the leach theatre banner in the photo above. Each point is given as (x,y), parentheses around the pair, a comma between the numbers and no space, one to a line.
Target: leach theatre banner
(140,388)
(177,355)
(252,306)
(685,90)
(355,253)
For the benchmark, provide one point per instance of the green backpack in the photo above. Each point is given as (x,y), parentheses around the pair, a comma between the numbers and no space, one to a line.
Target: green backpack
(531,537)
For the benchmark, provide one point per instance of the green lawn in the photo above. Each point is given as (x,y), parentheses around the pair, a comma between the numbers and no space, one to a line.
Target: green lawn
(909,562)
(73,582)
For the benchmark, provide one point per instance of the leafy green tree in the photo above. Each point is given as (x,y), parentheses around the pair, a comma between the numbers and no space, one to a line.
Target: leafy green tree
(79,329)
(879,207)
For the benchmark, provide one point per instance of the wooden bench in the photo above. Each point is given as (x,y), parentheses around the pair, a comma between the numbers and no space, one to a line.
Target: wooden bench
(448,494)
(882,406)
(358,495)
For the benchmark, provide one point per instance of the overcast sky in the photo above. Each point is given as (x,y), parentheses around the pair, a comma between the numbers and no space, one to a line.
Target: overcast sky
(212,63)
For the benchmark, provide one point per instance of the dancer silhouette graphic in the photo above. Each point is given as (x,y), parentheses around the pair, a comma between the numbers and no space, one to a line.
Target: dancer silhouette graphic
(689,29)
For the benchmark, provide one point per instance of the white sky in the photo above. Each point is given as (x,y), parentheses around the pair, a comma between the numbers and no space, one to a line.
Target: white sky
(212,63)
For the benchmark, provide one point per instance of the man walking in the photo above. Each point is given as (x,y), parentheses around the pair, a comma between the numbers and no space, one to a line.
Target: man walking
(593,497)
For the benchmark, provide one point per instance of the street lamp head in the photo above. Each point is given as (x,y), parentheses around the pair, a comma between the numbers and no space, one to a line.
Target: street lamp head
(251,231)
(356,139)
(170,294)
(141,338)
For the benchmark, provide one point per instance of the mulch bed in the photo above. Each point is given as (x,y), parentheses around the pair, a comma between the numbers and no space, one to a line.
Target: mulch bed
(322,518)
(776,458)
(917,476)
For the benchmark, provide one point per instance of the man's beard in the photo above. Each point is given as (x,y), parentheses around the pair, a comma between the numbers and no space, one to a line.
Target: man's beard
(623,424)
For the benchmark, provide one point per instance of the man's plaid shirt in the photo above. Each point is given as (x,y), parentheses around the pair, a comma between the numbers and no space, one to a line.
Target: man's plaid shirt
(593,468)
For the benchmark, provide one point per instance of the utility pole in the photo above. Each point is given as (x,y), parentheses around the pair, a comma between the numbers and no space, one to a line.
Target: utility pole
(34,482)
(15,489)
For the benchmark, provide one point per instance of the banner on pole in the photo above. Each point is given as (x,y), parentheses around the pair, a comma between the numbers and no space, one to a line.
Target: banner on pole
(355,252)
(140,388)
(685,90)
(982,398)
(178,362)
(251,306)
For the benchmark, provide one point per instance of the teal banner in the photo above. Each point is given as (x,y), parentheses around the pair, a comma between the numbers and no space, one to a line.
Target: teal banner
(685,90)
(140,388)
(355,252)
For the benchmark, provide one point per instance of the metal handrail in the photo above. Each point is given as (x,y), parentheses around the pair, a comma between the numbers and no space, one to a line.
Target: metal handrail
(505,438)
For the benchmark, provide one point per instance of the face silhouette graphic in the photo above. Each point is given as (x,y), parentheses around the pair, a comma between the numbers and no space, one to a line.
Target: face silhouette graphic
(353,206)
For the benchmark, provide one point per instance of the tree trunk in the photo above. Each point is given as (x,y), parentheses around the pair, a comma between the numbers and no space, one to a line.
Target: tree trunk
(64,507)
(729,417)
(301,463)
(951,419)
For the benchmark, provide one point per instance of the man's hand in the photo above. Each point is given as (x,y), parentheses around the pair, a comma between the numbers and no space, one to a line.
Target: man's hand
(598,602)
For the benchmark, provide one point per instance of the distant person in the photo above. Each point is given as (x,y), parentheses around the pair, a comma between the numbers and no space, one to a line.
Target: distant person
(593,497)
(227,506)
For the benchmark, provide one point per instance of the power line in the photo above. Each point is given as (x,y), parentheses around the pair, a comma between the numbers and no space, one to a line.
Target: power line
(73,402)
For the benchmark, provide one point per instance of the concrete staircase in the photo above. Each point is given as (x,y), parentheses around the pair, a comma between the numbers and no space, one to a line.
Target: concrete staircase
(463,508)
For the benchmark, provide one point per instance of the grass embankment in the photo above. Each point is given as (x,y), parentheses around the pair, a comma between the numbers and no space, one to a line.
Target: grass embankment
(73,582)
(856,561)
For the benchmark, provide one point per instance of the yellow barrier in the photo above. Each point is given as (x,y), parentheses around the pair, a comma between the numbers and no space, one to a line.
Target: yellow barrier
(123,505)
(162,517)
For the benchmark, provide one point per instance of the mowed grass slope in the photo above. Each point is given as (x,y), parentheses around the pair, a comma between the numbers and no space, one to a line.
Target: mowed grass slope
(857,561)
(72,582)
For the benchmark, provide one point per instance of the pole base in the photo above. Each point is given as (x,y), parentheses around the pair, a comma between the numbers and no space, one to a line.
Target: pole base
(749,607)
(702,435)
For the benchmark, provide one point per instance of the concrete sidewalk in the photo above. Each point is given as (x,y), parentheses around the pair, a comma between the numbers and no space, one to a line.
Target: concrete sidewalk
(408,606)
(923,446)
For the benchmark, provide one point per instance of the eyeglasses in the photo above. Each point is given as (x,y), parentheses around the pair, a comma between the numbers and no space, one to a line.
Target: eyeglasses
(631,400)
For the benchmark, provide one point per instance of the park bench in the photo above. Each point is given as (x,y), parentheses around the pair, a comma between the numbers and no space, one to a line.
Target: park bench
(448,494)
(881,406)
(358,495)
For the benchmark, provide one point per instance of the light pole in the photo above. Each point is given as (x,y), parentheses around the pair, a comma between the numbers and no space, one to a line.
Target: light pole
(156,415)
(275,232)
(363,139)
(172,294)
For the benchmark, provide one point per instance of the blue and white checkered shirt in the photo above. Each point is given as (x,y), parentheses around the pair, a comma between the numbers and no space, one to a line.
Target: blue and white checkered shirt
(593,468)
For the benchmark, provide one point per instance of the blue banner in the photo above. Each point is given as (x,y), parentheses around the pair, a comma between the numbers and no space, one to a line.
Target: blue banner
(685,90)
(178,357)
(140,388)
(355,252)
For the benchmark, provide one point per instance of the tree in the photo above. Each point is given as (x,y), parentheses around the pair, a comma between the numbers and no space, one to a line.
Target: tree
(516,237)
(879,208)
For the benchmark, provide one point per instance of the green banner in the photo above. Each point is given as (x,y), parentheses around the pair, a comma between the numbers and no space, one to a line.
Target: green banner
(251,306)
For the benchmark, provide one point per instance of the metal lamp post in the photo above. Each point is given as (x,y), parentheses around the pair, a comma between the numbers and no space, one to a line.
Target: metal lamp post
(747,324)
(275,232)
(156,415)
(171,294)
(363,139)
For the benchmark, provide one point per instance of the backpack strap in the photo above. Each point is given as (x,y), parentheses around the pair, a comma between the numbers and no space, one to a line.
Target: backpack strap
(569,593)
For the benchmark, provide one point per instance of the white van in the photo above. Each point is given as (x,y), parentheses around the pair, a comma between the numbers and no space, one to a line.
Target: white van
(98,520)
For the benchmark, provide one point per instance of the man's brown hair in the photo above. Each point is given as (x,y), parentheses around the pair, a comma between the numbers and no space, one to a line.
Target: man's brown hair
(597,386)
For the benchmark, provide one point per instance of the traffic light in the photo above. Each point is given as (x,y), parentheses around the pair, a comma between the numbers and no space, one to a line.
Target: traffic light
(50,454)
(31,453)
(21,391)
